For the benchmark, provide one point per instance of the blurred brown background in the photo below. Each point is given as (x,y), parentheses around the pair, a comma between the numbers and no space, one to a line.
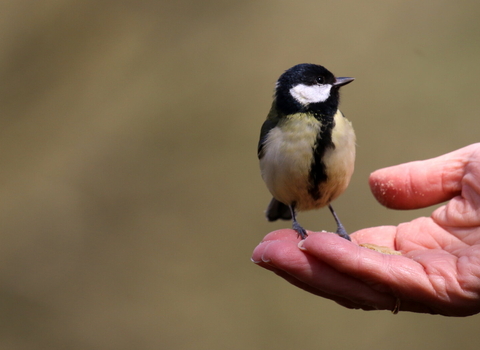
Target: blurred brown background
(130,196)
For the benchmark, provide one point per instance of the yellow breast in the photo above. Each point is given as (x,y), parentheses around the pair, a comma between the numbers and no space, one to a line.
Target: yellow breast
(288,157)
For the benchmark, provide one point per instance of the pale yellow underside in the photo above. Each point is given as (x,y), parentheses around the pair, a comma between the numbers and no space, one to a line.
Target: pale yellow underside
(288,155)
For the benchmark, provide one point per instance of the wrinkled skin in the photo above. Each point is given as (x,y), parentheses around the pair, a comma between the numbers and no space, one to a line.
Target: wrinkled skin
(439,269)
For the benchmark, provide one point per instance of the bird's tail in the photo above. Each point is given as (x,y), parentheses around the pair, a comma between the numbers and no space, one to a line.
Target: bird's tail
(277,210)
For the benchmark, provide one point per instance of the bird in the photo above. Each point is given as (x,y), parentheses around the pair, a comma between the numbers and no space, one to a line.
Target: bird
(307,146)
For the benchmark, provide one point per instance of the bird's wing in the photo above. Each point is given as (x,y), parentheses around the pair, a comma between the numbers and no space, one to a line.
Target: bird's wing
(269,124)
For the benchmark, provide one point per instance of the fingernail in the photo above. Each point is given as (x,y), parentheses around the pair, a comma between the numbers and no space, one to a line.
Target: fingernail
(262,252)
(300,245)
(266,260)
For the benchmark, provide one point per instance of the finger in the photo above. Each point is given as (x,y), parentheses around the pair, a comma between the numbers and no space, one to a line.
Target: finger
(319,278)
(394,274)
(422,183)
(265,261)
(279,235)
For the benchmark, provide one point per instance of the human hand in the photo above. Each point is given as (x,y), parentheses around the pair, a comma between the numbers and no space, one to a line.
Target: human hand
(439,269)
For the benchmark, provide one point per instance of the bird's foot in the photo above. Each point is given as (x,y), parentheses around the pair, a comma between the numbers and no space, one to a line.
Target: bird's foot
(300,230)
(340,229)
(343,233)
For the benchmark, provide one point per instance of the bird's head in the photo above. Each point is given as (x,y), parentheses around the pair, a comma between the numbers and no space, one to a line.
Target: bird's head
(308,88)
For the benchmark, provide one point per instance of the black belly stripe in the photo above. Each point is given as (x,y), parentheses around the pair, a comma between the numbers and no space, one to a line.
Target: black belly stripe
(318,173)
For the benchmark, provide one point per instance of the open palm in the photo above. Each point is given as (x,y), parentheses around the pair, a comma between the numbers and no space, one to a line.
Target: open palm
(439,269)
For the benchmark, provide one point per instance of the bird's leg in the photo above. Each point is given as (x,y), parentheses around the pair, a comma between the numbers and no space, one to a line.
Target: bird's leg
(295,225)
(340,229)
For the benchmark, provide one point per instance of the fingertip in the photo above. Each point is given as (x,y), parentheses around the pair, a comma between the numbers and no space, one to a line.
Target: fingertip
(256,262)
(279,238)
(420,184)
(259,251)
(384,187)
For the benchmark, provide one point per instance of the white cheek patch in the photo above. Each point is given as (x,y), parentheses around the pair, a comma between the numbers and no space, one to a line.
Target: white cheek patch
(306,94)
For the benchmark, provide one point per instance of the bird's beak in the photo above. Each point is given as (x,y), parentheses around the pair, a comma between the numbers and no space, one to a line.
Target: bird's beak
(342,81)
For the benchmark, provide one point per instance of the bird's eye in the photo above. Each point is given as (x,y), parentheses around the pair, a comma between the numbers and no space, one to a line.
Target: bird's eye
(320,80)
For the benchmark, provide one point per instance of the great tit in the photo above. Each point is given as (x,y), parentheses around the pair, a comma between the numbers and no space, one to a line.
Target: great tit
(307,146)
